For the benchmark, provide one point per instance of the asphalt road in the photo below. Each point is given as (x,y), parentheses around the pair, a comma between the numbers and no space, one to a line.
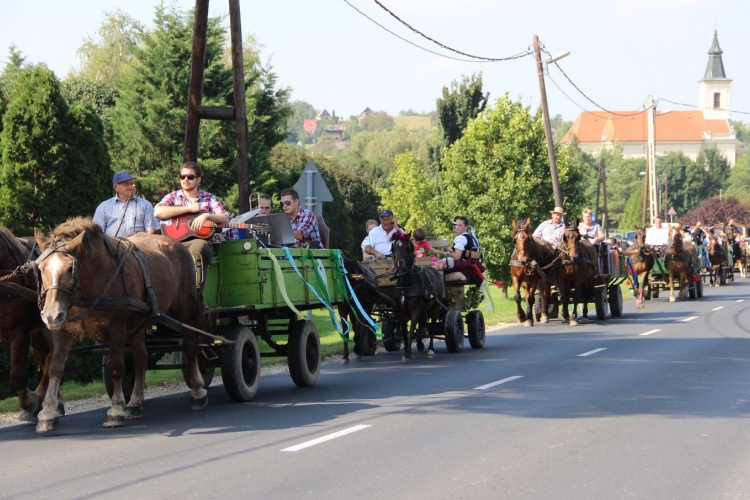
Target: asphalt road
(651,405)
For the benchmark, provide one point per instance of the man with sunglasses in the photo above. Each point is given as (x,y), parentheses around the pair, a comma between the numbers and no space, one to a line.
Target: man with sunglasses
(193,200)
(304,222)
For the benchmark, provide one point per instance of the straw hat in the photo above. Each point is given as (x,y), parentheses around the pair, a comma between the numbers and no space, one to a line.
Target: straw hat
(557,210)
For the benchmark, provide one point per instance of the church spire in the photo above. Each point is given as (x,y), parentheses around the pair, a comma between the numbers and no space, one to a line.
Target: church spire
(715,67)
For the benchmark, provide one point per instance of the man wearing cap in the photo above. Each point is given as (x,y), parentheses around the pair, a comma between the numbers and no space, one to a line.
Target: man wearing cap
(125,213)
(378,242)
(552,230)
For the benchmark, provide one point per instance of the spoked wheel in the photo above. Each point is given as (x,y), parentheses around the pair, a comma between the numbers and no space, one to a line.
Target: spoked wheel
(240,363)
(207,370)
(128,379)
(454,331)
(303,355)
(475,324)
(615,301)
(389,341)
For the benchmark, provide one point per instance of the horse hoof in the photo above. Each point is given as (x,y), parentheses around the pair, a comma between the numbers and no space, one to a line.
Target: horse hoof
(112,422)
(573,322)
(420,347)
(345,361)
(430,354)
(672,299)
(198,404)
(133,412)
(25,416)
(528,323)
(544,319)
(47,425)
(61,409)
(405,360)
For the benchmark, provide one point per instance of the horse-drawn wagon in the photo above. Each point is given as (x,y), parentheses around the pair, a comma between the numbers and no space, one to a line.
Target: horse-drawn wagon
(680,263)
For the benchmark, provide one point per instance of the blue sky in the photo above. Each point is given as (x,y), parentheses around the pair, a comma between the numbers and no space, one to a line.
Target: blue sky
(334,58)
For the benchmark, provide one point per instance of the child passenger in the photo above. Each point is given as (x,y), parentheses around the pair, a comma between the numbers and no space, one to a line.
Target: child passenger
(421,245)
(369,225)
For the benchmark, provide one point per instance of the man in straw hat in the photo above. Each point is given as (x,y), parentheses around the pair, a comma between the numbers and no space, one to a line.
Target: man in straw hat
(552,230)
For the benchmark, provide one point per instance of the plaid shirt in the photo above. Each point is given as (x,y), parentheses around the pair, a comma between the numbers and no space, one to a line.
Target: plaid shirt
(207,202)
(550,232)
(307,224)
(139,216)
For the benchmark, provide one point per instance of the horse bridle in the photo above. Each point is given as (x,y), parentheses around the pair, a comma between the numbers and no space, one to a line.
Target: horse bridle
(57,247)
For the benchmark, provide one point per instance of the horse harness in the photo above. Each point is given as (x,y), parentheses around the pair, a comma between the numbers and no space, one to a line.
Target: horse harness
(530,265)
(425,289)
(14,292)
(114,303)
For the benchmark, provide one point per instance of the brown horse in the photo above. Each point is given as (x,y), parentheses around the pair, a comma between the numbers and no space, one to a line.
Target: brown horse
(642,260)
(364,285)
(417,295)
(92,283)
(530,253)
(679,261)
(717,256)
(21,326)
(743,259)
(576,279)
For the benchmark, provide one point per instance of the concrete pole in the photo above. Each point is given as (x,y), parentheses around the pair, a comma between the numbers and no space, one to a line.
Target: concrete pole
(653,192)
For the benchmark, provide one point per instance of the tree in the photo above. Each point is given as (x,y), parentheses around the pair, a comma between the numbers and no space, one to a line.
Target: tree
(54,161)
(301,111)
(409,193)
(16,61)
(498,171)
(712,211)
(375,121)
(738,183)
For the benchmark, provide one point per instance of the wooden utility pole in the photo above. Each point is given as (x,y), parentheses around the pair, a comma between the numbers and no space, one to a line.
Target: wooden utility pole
(238,113)
(547,127)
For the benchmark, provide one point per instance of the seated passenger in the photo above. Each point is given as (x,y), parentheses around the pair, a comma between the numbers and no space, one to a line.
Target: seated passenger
(369,225)
(378,242)
(466,253)
(657,236)
(422,246)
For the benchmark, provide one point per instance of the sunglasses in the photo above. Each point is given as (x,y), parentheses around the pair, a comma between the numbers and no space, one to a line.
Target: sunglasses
(190,177)
(286,203)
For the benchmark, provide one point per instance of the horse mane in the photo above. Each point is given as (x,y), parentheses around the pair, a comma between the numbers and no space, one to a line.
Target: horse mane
(74,226)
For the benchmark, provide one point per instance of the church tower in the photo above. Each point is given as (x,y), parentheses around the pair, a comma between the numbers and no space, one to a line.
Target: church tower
(713,90)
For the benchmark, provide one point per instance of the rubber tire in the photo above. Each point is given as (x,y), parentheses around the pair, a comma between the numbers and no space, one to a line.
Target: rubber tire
(240,363)
(454,331)
(553,305)
(206,373)
(303,353)
(647,292)
(128,379)
(692,290)
(655,292)
(390,343)
(475,325)
(699,288)
(537,309)
(600,301)
(615,301)
(722,276)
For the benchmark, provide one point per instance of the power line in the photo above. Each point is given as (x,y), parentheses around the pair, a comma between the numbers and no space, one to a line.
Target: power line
(410,42)
(487,59)
(584,109)
(694,106)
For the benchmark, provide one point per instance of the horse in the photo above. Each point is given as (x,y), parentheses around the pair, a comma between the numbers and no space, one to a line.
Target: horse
(679,261)
(21,326)
(717,256)
(113,289)
(744,259)
(418,294)
(364,284)
(529,254)
(642,260)
(579,269)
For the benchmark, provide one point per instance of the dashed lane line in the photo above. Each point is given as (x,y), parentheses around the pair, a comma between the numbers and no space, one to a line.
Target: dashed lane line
(689,318)
(740,300)
(498,382)
(328,437)
(717,308)
(592,352)
(651,331)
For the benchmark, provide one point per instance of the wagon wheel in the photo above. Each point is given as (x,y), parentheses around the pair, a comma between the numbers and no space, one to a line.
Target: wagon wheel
(654,291)
(600,301)
(647,292)
(537,307)
(303,355)
(367,343)
(240,363)
(692,289)
(553,305)
(128,379)
(207,371)
(475,324)
(615,301)
(454,331)
(722,276)
(699,288)
(390,342)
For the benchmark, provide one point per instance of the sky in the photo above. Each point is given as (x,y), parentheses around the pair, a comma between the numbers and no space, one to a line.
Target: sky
(334,58)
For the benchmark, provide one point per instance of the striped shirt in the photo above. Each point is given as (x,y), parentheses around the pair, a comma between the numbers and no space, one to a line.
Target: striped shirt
(139,216)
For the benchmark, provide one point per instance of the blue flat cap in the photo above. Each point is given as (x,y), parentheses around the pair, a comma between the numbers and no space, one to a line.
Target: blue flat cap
(121,177)
(386,213)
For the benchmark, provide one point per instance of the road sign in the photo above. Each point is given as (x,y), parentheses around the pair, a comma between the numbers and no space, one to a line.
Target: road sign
(312,189)
(671,211)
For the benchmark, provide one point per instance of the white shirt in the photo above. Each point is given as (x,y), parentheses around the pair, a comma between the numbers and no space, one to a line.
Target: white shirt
(657,237)
(379,240)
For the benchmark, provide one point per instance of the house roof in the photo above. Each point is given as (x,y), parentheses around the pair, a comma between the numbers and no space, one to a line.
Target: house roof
(603,126)
(310,125)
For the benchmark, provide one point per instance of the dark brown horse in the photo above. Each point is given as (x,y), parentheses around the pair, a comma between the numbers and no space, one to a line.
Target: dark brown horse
(90,283)
(576,279)
(679,261)
(20,324)
(529,256)
(364,285)
(641,261)
(717,256)
(417,295)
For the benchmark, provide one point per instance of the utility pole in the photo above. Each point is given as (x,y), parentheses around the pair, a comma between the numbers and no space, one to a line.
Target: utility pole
(547,127)
(653,193)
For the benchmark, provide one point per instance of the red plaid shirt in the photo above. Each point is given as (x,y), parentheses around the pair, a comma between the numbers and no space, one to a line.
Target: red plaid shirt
(307,224)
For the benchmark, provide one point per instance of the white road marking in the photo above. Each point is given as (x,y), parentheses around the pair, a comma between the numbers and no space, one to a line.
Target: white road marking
(493,384)
(689,318)
(741,300)
(717,308)
(592,352)
(323,439)
(651,331)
